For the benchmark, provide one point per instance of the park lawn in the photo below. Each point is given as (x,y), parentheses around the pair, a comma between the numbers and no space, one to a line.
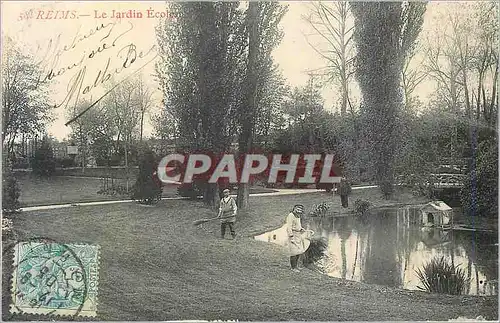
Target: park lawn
(155,265)
(67,189)
(60,190)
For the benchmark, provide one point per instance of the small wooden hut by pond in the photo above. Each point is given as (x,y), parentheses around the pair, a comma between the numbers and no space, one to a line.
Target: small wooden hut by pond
(436,214)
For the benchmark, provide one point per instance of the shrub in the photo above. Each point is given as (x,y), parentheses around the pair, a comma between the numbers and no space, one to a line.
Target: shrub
(320,210)
(10,191)
(439,276)
(21,163)
(316,251)
(115,189)
(196,188)
(147,188)
(43,163)
(6,225)
(9,236)
(361,206)
(190,190)
(65,162)
(479,195)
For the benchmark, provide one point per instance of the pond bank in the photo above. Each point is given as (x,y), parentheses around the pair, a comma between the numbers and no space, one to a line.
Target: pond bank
(403,197)
(268,221)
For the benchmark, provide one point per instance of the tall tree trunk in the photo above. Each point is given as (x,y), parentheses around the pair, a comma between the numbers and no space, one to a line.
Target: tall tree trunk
(485,104)
(203,82)
(211,194)
(477,279)
(345,93)
(468,107)
(34,146)
(343,63)
(10,148)
(23,147)
(4,135)
(142,123)
(469,271)
(126,164)
(454,108)
(246,135)
(479,92)
(84,150)
(379,67)
(493,97)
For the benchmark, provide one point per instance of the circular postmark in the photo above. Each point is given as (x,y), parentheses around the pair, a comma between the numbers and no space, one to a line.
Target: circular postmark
(48,278)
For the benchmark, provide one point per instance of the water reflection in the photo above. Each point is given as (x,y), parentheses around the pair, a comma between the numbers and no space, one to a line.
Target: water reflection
(389,246)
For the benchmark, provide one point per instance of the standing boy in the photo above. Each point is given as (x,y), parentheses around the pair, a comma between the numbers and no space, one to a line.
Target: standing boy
(344,191)
(227,214)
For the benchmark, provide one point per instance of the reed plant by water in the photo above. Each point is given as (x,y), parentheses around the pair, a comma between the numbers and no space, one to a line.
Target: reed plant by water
(440,276)
(316,250)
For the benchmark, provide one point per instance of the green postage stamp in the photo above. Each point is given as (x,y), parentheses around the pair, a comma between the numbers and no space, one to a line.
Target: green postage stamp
(51,278)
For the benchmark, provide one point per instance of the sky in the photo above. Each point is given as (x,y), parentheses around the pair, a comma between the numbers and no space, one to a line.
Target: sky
(54,25)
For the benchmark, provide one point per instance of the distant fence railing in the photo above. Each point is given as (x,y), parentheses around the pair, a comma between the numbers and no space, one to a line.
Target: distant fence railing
(99,171)
(77,168)
(438,180)
(448,180)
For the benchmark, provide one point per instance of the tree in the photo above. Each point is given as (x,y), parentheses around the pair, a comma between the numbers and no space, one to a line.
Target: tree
(200,73)
(270,115)
(164,124)
(383,41)
(144,96)
(347,141)
(411,78)
(424,142)
(43,162)
(125,104)
(10,190)
(412,75)
(486,62)
(165,128)
(462,57)
(147,188)
(25,108)
(94,132)
(479,194)
(248,109)
(262,23)
(332,22)
(304,103)
(80,130)
(308,125)
(447,79)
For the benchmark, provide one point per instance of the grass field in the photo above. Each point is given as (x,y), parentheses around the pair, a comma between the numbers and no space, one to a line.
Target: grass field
(155,265)
(67,189)
(59,190)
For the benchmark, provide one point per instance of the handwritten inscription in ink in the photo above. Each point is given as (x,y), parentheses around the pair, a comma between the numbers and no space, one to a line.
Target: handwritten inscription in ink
(91,58)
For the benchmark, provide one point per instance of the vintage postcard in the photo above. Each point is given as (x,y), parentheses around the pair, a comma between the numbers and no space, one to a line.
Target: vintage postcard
(249,161)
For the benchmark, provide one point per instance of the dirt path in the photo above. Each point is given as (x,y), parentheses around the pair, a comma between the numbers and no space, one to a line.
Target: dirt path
(278,193)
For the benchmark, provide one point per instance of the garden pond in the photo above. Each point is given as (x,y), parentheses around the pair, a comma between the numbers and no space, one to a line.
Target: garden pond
(388,246)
